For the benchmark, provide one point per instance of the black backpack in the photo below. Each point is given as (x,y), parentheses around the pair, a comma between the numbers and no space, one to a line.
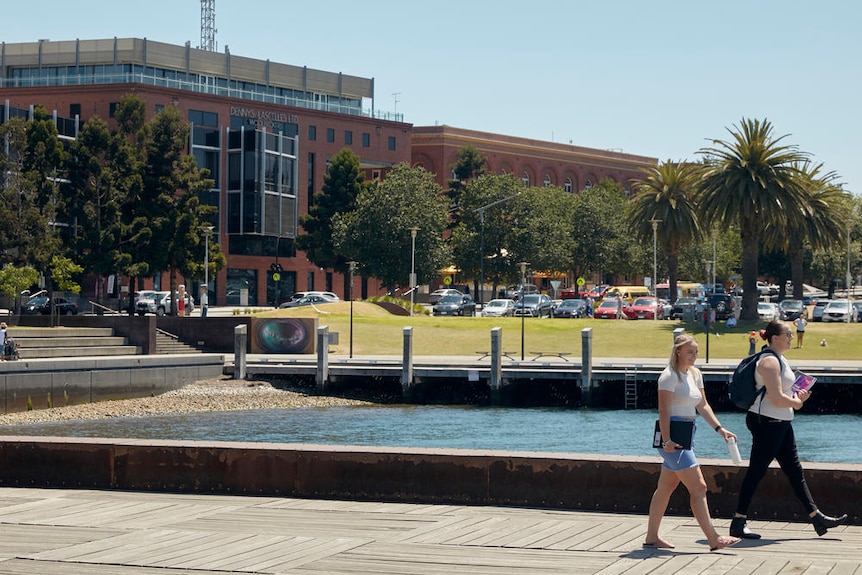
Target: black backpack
(742,387)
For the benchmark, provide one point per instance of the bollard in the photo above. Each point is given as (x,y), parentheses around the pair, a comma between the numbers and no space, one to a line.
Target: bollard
(586,365)
(407,363)
(677,332)
(240,343)
(322,375)
(495,378)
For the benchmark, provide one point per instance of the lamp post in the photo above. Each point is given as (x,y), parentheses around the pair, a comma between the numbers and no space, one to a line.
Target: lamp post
(481,212)
(714,259)
(655,224)
(849,278)
(207,230)
(523,266)
(413,268)
(352,265)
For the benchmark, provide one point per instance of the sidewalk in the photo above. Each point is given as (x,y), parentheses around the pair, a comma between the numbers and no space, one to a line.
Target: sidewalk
(82,532)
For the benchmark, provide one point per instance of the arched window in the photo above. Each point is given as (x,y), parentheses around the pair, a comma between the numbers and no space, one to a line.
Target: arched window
(547,181)
(525,177)
(568,186)
(588,184)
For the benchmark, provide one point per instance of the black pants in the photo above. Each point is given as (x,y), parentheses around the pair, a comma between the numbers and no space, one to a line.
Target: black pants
(772,439)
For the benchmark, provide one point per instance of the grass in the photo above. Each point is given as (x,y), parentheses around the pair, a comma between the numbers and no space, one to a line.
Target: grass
(376,332)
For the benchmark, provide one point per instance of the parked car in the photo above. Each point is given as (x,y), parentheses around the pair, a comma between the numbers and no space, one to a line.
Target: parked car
(666,308)
(515,292)
(461,304)
(535,305)
(607,309)
(722,303)
(838,310)
(817,310)
(42,306)
(571,308)
(682,305)
(790,309)
(767,311)
(857,307)
(159,303)
(597,292)
(647,308)
(436,295)
(310,299)
(499,307)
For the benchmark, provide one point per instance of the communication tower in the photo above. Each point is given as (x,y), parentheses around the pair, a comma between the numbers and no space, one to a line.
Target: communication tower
(208,29)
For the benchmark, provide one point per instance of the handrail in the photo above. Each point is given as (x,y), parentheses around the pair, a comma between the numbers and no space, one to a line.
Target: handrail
(103,307)
(163,332)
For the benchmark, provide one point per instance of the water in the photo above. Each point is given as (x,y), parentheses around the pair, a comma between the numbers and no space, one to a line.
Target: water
(820,438)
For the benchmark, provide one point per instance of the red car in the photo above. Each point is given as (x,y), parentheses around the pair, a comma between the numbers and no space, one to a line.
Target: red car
(645,308)
(608,310)
(597,292)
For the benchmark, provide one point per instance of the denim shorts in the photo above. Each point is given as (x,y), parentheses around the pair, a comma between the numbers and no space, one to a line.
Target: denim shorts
(681,458)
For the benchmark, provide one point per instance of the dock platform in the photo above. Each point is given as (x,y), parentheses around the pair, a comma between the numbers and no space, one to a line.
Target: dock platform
(88,532)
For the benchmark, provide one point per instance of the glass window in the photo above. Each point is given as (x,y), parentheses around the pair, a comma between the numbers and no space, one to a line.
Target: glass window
(568,186)
(241,287)
(348,138)
(391,142)
(366,140)
(547,181)
(330,135)
(312,133)
(74,110)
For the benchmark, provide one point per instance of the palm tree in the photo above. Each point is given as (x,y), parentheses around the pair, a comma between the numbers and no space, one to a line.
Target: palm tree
(752,182)
(666,194)
(821,225)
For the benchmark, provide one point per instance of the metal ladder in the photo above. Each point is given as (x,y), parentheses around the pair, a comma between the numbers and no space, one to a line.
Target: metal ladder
(631,381)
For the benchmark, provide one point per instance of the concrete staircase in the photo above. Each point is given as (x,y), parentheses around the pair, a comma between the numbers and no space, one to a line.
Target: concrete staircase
(53,342)
(167,343)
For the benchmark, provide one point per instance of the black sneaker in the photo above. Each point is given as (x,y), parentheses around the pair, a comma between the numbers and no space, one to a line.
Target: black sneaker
(738,528)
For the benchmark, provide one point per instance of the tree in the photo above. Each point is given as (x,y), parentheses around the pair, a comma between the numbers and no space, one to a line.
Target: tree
(173,183)
(96,199)
(751,181)
(541,229)
(341,185)
(14,280)
(377,232)
(666,196)
(598,229)
(481,240)
(468,166)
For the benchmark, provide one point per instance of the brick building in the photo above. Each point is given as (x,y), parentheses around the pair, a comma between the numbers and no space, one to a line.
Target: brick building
(264,130)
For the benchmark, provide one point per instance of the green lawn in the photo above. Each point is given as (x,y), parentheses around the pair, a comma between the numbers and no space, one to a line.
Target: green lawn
(377,332)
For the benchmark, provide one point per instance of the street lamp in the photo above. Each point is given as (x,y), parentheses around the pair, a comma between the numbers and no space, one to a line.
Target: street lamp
(849,278)
(523,266)
(481,212)
(207,230)
(352,265)
(714,259)
(413,268)
(655,224)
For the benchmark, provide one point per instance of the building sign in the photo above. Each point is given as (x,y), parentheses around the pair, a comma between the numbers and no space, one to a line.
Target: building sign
(272,120)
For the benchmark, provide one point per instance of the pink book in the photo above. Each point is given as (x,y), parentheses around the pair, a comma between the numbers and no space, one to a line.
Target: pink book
(803,382)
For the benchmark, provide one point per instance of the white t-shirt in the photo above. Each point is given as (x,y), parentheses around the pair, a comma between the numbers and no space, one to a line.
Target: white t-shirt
(768,408)
(687,390)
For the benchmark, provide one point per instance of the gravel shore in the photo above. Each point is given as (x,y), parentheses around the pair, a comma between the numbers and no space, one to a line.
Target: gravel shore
(220,394)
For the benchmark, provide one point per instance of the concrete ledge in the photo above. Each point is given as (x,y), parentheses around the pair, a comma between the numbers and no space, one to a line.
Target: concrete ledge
(40,383)
(458,477)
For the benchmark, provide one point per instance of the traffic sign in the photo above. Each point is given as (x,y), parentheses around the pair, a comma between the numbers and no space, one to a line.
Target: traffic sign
(581,282)
(447,280)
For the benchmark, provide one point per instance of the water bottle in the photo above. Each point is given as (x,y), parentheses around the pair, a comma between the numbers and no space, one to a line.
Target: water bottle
(733,448)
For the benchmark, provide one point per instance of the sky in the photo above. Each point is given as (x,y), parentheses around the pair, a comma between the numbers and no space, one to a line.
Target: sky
(661,79)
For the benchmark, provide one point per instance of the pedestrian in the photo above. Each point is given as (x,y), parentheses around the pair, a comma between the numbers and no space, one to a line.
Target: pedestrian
(800,322)
(3,339)
(770,420)
(681,398)
(752,340)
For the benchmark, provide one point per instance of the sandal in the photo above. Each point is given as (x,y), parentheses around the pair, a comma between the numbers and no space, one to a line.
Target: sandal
(725,541)
(660,544)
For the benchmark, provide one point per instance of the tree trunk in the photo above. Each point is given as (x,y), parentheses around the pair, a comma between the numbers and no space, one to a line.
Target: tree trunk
(750,295)
(796,271)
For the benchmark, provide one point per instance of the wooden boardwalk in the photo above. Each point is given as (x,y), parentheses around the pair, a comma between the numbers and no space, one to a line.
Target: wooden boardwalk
(78,532)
